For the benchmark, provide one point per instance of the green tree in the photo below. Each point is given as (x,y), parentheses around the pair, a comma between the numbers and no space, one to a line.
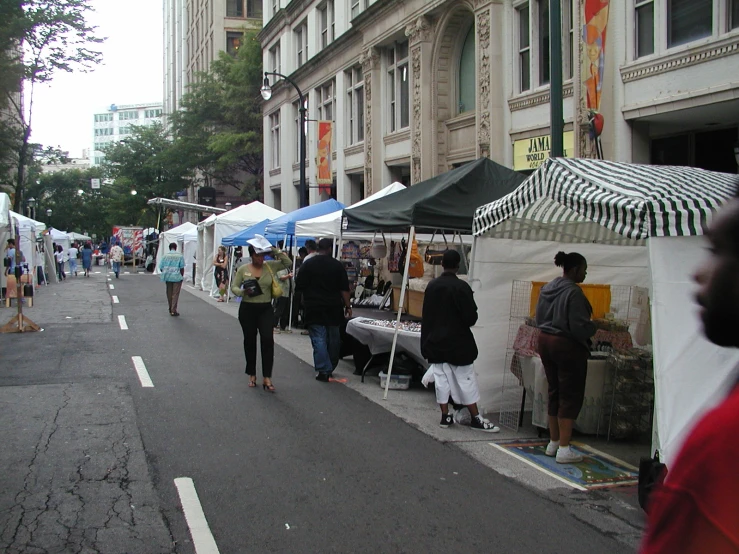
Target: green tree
(38,38)
(218,131)
(142,163)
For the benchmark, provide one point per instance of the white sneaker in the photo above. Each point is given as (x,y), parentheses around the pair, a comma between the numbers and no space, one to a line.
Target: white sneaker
(565,455)
(552,448)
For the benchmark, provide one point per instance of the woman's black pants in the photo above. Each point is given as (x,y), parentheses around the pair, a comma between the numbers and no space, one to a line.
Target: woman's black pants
(258,318)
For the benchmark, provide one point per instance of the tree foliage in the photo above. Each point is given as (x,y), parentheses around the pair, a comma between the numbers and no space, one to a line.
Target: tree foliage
(218,131)
(38,38)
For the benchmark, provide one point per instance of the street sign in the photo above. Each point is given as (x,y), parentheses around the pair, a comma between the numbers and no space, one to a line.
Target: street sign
(95,183)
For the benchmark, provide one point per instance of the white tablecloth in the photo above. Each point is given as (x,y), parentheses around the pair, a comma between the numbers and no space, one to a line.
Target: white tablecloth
(535,381)
(380,339)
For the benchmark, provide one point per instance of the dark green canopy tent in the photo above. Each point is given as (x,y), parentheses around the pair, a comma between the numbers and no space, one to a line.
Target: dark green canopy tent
(445,202)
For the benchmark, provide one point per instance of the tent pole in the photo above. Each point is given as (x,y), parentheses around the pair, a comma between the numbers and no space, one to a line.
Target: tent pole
(292,294)
(230,273)
(411,236)
(471,261)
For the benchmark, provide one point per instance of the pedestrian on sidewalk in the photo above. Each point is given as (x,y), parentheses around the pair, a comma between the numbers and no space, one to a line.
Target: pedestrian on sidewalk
(116,256)
(220,272)
(73,252)
(563,316)
(87,258)
(59,257)
(324,285)
(447,342)
(172,272)
(253,283)
(695,509)
(9,260)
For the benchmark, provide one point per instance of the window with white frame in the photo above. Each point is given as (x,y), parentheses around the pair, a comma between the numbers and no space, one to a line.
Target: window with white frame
(274,58)
(355,106)
(568,30)
(644,28)
(688,20)
(274,133)
(524,48)
(301,43)
(275,7)
(398,86)
(327,23)
(733,13)
(544,49)
(357,7)
(326,104)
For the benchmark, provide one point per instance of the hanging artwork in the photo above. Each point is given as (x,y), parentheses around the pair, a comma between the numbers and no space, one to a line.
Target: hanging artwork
(323,161)
(595,23)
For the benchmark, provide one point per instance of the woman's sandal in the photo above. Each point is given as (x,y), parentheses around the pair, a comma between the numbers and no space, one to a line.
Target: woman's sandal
(252,383)
(269,388)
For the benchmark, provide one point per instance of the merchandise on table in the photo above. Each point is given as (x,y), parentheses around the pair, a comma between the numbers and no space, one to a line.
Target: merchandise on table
(410,326)
(628,395)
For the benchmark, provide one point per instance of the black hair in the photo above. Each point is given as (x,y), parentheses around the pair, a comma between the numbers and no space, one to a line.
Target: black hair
(450,259)
(326,245)
(302,251)
(11,241)
(252,252)
(569,261)
(172,246)
(310,244)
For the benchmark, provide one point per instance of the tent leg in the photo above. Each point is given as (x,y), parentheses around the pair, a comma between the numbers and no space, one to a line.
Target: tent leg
(230,273)
(411,236)
(292,296)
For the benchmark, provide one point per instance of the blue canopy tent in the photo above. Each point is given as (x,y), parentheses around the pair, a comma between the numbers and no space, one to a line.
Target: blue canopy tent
(285,225)
(240,238)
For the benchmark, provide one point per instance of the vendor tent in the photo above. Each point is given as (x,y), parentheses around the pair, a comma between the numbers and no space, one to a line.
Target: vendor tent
(78,236)
(329,225)
(241,238)
(28,229)
(4,228)
(447,201)
(285,225)
(610,204)
(212,230)
(189,251)
(176,235)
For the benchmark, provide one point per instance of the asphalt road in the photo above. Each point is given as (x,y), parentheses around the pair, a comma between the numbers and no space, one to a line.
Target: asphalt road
(312,468)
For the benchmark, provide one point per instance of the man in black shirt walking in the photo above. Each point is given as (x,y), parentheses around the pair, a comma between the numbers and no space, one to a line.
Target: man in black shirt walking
(324,285)
(449,310)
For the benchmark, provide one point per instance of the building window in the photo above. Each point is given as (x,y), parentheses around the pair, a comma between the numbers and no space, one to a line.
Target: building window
(688,20)
(274,132)
(327,21)
(274,58)
(301,44)
(467,78)
(543,13)
(149,114)
(734,14)
(644,28)
(125,116)
(233,42)
(107,132)
(355,106)
(103,117)
(568,22)
(254,9)
(357,6)
(126,130)
(398,86)
(326,109)
(524,49)
(234,8)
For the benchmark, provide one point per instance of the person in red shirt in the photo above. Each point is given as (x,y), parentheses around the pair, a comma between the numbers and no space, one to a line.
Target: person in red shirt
(696,508)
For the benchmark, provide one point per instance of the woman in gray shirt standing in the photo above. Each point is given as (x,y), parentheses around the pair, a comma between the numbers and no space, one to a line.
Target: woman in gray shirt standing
(563,316)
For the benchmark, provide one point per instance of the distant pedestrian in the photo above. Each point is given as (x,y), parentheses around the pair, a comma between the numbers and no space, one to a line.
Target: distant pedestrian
(220,272)
(59,256)
(447,342)
(563,316)
(312,248)
(323,282)
(116,256)
(9,260)
(87,258)
(172,272)
(253,282)
(73,252)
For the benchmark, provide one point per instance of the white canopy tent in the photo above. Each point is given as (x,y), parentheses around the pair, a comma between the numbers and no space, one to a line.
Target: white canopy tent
(329,225)
(176,234)
(29,230)
(189,251)
(77,236)
(4,229)
(611,209)
(215,227)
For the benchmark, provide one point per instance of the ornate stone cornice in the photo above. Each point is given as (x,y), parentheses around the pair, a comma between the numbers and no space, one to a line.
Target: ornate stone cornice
(399,136)
(420,30)
(536,98)
(671,62)
(369,59)
(354,149)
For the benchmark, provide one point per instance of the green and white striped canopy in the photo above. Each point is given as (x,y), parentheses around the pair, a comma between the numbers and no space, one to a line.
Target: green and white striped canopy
(582,200)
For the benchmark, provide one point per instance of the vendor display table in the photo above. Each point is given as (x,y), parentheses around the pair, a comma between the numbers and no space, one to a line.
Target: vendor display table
(378,336)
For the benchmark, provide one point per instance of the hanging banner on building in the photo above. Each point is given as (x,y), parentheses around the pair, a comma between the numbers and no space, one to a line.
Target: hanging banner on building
(530,153)
(594,17)
(324,171)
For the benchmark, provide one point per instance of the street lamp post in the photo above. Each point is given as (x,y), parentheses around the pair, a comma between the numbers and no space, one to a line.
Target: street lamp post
(31,207)
(48,214)
(267,94)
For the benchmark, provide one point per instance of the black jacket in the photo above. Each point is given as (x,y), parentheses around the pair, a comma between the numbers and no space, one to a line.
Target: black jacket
(449,310)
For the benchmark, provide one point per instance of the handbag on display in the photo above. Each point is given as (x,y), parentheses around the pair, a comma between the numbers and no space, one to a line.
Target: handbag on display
(251,288)
(432,256)
(276,288)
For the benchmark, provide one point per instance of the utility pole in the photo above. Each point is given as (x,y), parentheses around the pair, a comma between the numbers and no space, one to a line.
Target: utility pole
(555,79)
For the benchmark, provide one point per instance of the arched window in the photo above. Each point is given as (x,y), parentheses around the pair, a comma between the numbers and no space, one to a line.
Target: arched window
(467,74)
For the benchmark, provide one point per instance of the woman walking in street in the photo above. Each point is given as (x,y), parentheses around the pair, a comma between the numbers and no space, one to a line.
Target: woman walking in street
(73,252)
(59,257)
(87,258)
(254,282)
(563,316)
(220,262)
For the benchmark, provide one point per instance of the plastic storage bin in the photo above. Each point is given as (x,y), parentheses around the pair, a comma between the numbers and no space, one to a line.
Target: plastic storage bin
(397,382)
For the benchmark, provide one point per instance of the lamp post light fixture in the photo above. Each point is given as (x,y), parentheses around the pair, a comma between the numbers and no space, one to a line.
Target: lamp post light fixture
(133,192)
(267,94)
(48,214)
(31,207)
(228,205)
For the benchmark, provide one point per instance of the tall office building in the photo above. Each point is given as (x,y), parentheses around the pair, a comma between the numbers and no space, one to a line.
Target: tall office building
(115,123)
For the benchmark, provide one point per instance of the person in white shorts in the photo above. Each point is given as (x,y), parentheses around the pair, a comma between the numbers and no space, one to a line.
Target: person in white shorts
(447,342)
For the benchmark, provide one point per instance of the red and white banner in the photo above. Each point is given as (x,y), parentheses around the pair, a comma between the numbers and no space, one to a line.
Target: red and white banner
(324,171)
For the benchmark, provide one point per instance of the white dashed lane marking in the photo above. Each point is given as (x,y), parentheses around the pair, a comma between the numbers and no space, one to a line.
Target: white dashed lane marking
(138,364)
(202,538)
(122,322)
(115,299)
(112,287)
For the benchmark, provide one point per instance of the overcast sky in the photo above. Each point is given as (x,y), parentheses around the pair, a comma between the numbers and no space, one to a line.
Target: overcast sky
(131,72)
